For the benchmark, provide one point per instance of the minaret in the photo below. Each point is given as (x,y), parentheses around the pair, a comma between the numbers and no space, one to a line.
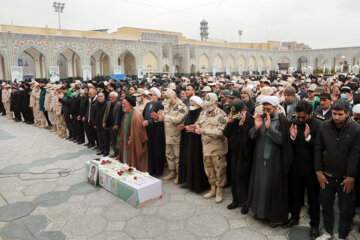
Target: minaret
(204,34)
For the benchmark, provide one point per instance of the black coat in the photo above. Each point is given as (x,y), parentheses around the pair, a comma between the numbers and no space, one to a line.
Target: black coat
(84,101)
(65,108)
(319,111)
(99,114)
(337,152)
(303,164)
(75,106)
(156,139)
(26,99)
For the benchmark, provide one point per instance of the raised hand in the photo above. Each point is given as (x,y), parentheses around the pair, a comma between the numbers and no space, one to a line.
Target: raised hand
(293,131)
(258,121)
(267,121)
(307,131)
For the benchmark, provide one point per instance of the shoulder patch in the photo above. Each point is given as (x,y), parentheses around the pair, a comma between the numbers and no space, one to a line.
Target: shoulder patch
(321,117)
(182,104)
(222,120)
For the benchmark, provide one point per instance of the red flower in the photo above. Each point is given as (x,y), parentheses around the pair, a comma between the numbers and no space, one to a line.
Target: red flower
(135,177)
(103,162)
(130,170)
(120,173)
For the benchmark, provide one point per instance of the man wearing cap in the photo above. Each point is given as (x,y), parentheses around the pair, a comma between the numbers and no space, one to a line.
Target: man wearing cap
(240,144)
(268,189)
(141,100)
(74,113)
(45,117)
(246,95)
(59,117)
(155,132)
(210,125)
(173,116)
(290,102)
(132,139)
(324,111)
(66,99)
(311,96)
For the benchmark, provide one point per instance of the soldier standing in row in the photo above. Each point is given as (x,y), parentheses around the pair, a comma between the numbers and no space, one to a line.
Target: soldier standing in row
(173,116)
(210,126)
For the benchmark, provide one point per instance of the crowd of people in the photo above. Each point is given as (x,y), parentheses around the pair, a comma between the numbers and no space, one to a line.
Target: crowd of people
(272,138)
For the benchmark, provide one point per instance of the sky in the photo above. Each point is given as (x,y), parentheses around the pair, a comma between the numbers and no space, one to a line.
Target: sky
(318,23)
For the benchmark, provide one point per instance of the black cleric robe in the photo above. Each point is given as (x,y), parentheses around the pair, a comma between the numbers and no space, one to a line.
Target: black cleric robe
(156,139)
(268,196)
(242,147)
(191,163)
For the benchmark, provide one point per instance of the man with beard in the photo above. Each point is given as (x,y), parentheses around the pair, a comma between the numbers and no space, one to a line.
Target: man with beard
(74,113)
(191,165)
(246,95)
(302,173)
(337,152)
(290,102)
(111,111)
(16,104)
(237,133)
(155,132)
(268,189)
(132,139)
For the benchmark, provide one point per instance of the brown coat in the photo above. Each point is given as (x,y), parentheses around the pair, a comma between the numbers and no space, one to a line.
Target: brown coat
(138,150)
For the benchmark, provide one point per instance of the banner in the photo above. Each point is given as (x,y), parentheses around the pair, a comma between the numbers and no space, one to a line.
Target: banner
(140,71)
(54,73)
(16,74)
(86,73)
(117,70)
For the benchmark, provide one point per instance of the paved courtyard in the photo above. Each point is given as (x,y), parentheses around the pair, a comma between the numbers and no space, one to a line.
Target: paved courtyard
(49,206)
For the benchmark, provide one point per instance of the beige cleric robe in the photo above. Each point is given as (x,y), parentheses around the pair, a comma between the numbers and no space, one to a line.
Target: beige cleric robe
(137,144)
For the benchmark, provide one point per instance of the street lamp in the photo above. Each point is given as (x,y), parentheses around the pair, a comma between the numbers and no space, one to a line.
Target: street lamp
(240,32)
(59,8)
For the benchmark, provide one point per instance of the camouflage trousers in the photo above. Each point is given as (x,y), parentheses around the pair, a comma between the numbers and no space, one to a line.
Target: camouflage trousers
(172,156)
(215,169)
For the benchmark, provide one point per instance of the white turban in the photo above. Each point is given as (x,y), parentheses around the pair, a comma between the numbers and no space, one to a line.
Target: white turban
(197,100)
(273,100)
(356,109)
(157,91)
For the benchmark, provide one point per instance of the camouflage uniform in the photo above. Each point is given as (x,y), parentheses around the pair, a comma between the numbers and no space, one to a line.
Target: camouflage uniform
(174,116)
(6,93)
(214,144)
(140,106)
(59,117)
(40,114)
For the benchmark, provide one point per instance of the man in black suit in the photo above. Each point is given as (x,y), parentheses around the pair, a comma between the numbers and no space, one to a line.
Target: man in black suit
(89,126)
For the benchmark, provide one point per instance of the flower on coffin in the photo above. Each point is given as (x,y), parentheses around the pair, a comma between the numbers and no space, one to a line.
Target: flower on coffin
(120,173)
(103,162)
(135,177)
(130,170)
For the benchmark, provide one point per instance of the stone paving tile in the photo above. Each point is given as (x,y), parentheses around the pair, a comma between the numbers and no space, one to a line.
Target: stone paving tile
(69,208)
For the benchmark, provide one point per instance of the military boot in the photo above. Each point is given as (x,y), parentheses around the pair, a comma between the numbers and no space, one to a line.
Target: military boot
(212,192)
(218,198)
(38,124)
(171,175)
(176,181)
(42,125)
(34,124)
(53,129)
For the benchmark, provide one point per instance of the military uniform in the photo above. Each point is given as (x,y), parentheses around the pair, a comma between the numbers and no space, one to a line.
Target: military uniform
(6,93)
(215,147)
(140,106)
(34,106)
(59,117)
(174,116)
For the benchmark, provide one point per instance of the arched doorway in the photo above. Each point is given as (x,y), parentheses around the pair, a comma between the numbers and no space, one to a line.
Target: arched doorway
(204,63)
(192,69)
(2,68)
(150,62)
(166,68)
(69,63)
(34,62)
(100,63)
(128,63)
(302,62)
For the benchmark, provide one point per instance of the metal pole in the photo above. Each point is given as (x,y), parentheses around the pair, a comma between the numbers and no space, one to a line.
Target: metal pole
(59,20)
